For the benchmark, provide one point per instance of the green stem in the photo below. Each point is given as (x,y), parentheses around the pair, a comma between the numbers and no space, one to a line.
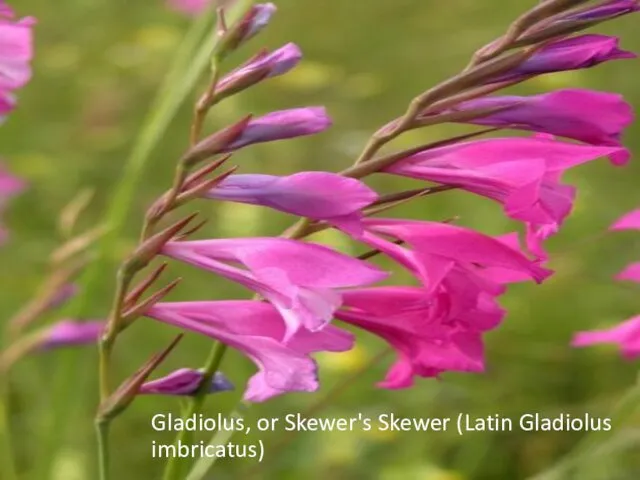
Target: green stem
(102,437)
(175,466)
(7,465)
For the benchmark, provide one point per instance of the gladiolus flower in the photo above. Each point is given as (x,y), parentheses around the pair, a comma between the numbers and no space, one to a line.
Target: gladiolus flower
(262,66)
(256,329)
(185,381)
(296,122)
(631,272)
(317,195)
(300,279)
(629,221)
(596,118)
(16,51)
(521,173)
(439,249)
(69,332)
(626,335)
(423,329)
(573,53)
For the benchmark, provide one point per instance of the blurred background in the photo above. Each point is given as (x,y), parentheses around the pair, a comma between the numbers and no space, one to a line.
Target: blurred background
(98,64)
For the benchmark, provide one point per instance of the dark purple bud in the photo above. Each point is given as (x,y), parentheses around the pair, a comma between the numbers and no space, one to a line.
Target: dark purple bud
(296,122)
(185,381)
(574,53)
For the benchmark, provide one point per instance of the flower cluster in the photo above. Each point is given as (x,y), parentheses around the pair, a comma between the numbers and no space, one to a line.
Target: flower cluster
(306,293)
(627,334)
(300,287)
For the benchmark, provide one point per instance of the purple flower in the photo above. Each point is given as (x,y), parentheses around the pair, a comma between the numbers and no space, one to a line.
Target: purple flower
(185,381)
(317,195)
(605,11)
(597,118)
(299,278)
(262,66)
(296,122)
(626,335)
(16,51)
(70,332)
(257,18)
(573,53)
(256,329)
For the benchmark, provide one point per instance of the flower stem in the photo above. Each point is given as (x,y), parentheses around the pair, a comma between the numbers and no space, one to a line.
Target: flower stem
(174,466)
(102,436)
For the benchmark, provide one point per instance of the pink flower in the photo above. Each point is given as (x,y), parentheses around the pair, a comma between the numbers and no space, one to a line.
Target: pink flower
(300,279)
(256,329)
(16,51)
(317,195)
(9,185)
(440,250)
(421,328)
(521,173)
(597,118)
(71,332)
(189,7)
(629,221)
(631,272)
(626,335)
(262,66)
(184,381)
(583,51)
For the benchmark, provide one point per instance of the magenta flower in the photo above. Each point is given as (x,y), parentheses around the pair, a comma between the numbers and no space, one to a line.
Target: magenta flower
(184,381)
(300,279)
(629,221)
(521,173)
(16,51)
(626,335)
(296,122)
(439,250)
(631,272)
(411,322)
(573,53)
(596,118)
(317,195)
(256,329)
(70,332)
(262,66)
(9,185)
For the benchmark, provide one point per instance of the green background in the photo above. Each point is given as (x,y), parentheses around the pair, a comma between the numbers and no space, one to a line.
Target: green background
(97,66)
